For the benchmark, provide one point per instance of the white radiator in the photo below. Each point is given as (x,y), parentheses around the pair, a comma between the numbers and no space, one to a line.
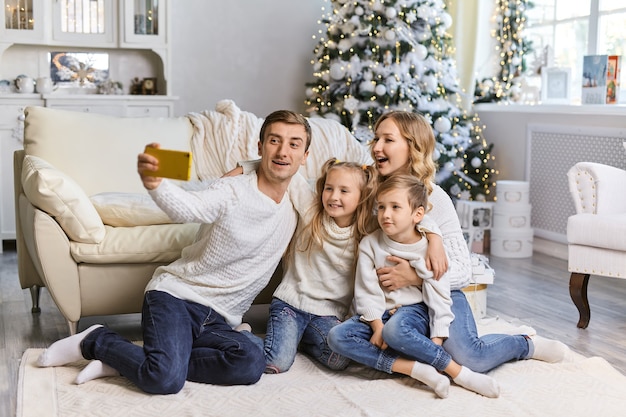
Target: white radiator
(552,151)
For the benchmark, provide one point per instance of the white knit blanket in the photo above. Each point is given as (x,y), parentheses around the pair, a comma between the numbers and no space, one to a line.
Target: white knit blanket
(577,387)
(226,135)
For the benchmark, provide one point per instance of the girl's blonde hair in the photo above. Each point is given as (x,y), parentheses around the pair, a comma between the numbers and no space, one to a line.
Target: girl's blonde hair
(315,233)
(419,134)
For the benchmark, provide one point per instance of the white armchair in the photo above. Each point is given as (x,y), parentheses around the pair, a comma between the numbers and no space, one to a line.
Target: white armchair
(596,234)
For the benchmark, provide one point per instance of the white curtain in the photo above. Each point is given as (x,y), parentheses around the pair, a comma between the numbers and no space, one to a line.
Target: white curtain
(475,48)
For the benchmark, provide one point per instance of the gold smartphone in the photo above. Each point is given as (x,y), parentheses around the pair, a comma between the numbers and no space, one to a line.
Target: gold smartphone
(172,164)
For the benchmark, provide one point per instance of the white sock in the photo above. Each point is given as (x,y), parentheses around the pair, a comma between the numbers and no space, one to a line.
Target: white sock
(95,369)
(548,350)
(429,376)
(244,326)
(480,383)
(65,350)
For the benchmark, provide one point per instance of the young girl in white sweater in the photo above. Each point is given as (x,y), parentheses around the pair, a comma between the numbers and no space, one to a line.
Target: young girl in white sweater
(317,286)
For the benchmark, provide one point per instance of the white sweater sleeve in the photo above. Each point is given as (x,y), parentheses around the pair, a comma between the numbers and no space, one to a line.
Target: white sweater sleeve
(369,298)
(428,225)
(445,216)
(437,297)
(203,206)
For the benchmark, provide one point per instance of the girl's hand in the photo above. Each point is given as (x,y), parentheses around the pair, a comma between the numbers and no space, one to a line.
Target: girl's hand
(436,259)
(398,276)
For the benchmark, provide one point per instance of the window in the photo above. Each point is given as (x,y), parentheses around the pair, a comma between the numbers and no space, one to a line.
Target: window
(573,29)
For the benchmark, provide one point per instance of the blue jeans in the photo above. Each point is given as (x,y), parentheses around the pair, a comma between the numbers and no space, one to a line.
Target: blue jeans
(182,341)
(481,354)
(406,333)
(288,328)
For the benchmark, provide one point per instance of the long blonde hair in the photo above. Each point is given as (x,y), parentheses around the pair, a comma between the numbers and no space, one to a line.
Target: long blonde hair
(419,134)
(315,233)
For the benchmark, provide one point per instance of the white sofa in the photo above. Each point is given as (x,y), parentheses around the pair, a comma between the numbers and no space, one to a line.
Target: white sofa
(86,228)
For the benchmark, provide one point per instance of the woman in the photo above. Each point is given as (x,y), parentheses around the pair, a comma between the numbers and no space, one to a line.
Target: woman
(404,143)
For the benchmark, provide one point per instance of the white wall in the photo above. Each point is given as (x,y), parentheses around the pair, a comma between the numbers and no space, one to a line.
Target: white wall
(256,53)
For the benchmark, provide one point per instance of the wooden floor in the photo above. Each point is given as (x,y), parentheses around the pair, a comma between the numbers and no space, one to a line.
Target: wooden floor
(532,290)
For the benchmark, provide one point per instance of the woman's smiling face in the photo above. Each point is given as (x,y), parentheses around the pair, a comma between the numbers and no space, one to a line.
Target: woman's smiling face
(390,150)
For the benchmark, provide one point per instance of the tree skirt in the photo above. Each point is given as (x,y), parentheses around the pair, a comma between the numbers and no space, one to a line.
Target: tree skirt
(578,386)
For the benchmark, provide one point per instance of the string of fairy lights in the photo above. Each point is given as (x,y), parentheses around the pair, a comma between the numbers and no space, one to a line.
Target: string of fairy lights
(509,20)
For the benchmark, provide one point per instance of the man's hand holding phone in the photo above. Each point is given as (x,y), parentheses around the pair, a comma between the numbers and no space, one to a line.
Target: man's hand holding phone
(156,163)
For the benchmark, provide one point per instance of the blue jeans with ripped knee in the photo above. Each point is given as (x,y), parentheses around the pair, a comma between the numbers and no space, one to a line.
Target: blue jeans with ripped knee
(290,329)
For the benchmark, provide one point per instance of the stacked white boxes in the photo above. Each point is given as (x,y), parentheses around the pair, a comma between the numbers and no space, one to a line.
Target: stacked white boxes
(512,235)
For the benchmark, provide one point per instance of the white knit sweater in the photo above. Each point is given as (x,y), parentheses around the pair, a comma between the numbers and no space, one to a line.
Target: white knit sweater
(321,281)
(371,300)
(444,216)
(243,235)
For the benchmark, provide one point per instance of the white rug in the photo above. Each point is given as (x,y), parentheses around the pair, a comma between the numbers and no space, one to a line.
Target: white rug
(577,387)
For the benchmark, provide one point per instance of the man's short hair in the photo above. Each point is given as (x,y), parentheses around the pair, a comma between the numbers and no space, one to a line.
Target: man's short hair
(289,117)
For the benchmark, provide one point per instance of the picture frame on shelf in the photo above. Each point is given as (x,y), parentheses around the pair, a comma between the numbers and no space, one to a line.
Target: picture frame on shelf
(556,85)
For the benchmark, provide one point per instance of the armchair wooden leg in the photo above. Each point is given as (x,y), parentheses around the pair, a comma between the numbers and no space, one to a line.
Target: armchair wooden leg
(35,292)
(578,291)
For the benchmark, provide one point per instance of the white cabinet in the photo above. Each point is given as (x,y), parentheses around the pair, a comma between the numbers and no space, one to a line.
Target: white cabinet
(133,31)
(11,127)
(92,23)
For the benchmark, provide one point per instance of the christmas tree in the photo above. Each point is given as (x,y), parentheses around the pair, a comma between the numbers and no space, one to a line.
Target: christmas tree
(381,55)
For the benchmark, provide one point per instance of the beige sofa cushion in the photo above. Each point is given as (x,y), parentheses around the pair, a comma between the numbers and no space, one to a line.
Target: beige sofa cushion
(128,209)
(98,151)
(139,244)
(58,195)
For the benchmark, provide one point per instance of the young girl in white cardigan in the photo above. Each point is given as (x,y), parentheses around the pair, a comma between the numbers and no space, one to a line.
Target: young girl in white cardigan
(317,286)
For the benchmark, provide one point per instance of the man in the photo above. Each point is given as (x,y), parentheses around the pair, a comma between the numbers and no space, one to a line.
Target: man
(193,306)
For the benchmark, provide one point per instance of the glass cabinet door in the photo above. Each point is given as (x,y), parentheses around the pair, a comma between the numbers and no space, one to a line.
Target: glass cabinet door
(22,21)
(144,22)
(88,22)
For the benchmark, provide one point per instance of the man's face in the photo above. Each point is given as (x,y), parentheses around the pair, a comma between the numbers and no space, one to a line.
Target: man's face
(282,151)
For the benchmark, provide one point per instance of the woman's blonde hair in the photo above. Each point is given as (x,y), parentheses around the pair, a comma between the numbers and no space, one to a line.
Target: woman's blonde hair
(419,134)
(315,233)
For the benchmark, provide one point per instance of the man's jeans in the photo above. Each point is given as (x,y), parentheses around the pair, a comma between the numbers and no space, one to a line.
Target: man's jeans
(182,340)
(288,328)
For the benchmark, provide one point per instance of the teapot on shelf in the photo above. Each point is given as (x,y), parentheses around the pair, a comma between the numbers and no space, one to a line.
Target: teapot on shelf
(24,84)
